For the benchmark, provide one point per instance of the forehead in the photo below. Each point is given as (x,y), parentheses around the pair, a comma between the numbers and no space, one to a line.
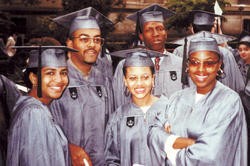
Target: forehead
(54,68)
(138,70)
(91,32)
(153,24)
(204,55)
(244,46)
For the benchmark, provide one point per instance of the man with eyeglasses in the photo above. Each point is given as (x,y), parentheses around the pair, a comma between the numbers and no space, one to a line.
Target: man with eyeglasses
(85,106)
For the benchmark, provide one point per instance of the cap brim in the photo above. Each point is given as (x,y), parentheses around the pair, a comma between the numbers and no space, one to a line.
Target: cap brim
(44,47)
(125,53)
(154,7)
(220,39)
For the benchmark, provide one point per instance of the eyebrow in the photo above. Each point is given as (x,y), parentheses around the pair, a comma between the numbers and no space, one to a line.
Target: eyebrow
(87,35)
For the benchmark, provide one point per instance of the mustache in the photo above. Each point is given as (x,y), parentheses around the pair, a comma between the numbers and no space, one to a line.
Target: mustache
(90,50)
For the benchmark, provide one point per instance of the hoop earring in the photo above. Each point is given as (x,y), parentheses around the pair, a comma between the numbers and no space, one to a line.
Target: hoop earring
(126,92)
(221,73)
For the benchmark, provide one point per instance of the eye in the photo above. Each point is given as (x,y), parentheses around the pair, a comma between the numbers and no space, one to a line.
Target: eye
(193,62)
(160,28)
(49,73)
(132,78)
(145,77)
(84,39)
(64,73)
(210,63)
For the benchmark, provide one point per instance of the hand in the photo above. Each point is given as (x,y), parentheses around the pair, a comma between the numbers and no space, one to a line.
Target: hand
(182,142)
(78,156)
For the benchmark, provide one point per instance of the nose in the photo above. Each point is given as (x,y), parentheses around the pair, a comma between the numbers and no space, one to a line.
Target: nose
(91,43)
(57,77)
(139,81)
(155,32)
(201,66)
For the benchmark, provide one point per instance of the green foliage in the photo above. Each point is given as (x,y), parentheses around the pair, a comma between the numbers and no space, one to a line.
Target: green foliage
(183,7)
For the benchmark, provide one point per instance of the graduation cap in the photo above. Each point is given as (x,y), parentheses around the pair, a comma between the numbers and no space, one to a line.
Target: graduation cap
(45,56)
(201,17)
(245,40)
(137,57)
(203,44)
(151,13)
(84,18)
(220,38)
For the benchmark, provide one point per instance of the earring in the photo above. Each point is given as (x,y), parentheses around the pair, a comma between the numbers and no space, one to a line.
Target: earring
(221,73)
(126,92)
(186,70)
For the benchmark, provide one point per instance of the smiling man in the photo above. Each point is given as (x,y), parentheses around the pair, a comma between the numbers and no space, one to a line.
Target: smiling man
(85,106)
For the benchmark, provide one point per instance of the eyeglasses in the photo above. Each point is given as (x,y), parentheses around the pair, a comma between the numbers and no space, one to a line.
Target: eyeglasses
(208,64)
(87,40)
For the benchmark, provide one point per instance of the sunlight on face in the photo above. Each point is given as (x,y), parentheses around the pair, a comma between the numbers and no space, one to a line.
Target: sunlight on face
(203,67)
(139,81)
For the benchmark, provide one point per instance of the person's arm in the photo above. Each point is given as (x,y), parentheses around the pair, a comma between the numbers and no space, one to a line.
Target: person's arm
(223,141)
(112,148)
(79,156)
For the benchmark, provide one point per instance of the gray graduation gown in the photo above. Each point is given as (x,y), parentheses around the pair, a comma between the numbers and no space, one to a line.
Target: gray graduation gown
(216,122)
(233,78)
(83,111)
(167,79)
(104,64)
(34,137)
(126,134)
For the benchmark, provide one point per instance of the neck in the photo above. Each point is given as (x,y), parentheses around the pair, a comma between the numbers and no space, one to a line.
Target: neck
(82,66)
(33,93)
(142,102)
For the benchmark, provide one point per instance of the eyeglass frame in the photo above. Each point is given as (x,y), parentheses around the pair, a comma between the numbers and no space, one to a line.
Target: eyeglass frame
(82,37)
(208,64)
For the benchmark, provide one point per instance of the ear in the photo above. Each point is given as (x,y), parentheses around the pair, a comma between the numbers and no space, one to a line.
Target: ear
(125,81)
(69,44)
(33,79)
(153,80)
(141,37)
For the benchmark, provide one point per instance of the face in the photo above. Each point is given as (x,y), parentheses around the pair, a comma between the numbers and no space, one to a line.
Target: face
(203,67)
(54,81)
(139,81)
(88,42)
(154,36)
(244,52)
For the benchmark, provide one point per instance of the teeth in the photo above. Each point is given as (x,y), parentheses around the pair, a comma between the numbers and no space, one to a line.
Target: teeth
(201,77)
(56,88)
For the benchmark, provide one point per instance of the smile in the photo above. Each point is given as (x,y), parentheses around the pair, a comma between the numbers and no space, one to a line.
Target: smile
(139,90)
(200,78)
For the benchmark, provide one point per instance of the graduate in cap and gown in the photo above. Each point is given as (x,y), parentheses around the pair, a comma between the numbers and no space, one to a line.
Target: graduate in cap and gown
(34,137)
(68,21)
(126,132)
(209,113)
(243,48)
(152,32)
(85,106)
(203,24)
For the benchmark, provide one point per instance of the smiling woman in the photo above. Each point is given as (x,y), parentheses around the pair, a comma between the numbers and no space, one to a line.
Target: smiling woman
(34,137)
(126,132)
(209,113)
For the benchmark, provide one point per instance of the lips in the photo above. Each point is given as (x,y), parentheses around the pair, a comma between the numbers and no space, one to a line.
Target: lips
(140,90)
(201,78)
(56,88)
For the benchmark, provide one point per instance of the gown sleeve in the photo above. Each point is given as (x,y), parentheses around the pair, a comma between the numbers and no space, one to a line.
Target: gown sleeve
(112,145)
